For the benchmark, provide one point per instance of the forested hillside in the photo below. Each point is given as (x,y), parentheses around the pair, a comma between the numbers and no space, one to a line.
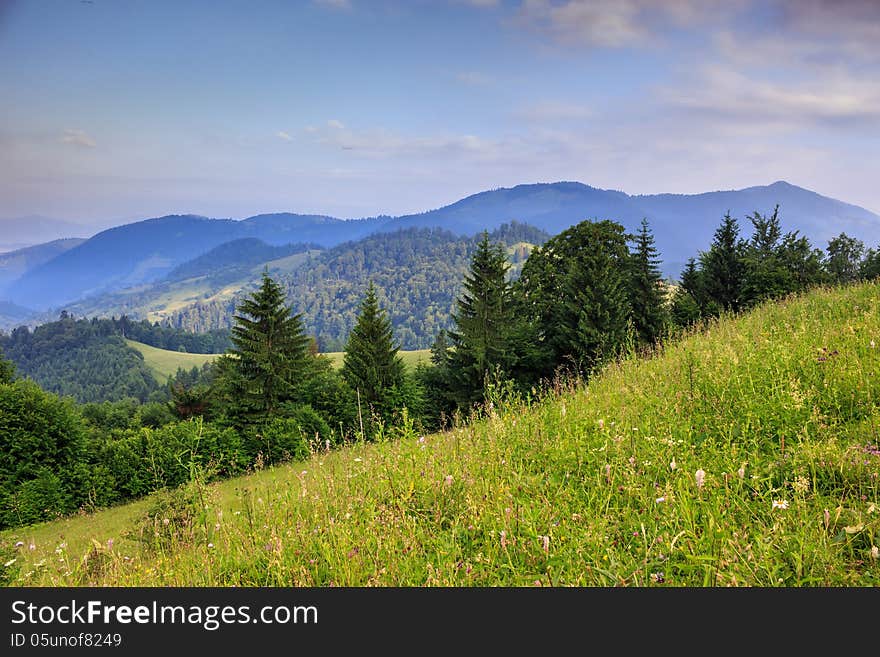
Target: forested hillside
(417,273)
(87,360)
(90,361)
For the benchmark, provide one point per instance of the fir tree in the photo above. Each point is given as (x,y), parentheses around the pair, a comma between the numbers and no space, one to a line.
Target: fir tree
(723,267)
(268,360)
(649,314)
(482,320)
(372,365)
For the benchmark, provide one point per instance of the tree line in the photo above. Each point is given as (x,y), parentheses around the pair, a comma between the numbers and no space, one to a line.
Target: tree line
(583,298)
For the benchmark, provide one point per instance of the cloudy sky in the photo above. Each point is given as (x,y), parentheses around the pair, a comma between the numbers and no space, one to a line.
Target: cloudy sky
(115,110)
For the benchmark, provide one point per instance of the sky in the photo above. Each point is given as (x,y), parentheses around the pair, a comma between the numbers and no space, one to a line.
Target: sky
(117,110)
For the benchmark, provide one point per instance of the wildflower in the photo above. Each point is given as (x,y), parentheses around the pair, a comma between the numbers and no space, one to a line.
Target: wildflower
(217,527)
(32,547)
(546,542)
(872,344)
(672,464)
(875,552)
(19,544)
(210,545)
(742,471)
(699,477)
(448,480)
(780,504)
(165,522)
(827,517)
(659,500)
(601,423)
(632,460)
(303,473)
(658,578)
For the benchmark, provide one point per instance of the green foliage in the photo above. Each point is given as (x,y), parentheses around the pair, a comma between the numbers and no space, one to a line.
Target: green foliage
(650,315)
(268,360)
(289,437)
(844,258)
(480,350)
(418,270)
(41,440)
(777,264)
(575,290)
(7,370)
(82,358)
(723,266)
(870,268)
(372,366)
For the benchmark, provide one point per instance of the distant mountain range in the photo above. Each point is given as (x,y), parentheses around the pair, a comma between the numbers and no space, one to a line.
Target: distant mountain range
(141,253)
(21,232)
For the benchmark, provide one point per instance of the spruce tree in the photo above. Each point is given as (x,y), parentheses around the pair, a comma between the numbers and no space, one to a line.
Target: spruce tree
(269,358)
(371,364)
(724,268)
(649,314)
(482,320)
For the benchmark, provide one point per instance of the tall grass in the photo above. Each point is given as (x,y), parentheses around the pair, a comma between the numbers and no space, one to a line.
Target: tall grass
(743,454)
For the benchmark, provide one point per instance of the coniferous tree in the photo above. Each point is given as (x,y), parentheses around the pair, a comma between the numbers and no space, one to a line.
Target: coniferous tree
(649,314)
(575,291)
(269,358)
(724,268)
(483,316)
(371,364)
(690,296)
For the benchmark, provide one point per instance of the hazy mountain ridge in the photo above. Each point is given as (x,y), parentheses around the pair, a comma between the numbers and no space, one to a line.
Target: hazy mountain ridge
(146,251)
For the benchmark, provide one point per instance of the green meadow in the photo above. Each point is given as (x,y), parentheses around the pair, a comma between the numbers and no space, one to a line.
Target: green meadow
(745,453)
(164,363)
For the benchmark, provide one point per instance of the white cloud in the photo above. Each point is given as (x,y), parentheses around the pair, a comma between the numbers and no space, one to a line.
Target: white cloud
(835,99)
(78,138)
(283,135)
(382,143)
(617,23)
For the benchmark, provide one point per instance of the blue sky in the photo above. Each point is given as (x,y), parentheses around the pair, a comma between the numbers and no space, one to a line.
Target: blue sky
(117,110)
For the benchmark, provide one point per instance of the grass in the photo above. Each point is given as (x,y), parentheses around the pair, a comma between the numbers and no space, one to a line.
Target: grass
(164,363)
(746,454)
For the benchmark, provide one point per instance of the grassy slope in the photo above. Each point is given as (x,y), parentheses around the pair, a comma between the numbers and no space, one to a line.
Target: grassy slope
(164,363)
(595,486)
